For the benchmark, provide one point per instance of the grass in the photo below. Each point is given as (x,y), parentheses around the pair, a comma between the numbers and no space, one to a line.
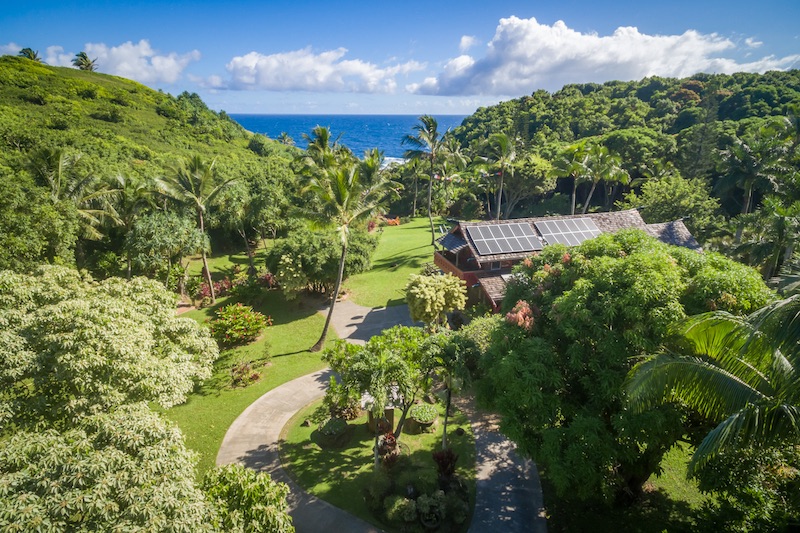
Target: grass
(341,475)
(212,408)
(402,251)
(670,503)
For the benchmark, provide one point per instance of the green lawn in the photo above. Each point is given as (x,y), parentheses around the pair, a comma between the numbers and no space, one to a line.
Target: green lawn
(341,475)
(402,251)
(213,407)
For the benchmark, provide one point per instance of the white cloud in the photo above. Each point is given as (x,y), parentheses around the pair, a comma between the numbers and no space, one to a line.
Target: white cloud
(54,55)
(303,70)
(752,43)
(467,42)
(10,49)
(524,55)
(140,61)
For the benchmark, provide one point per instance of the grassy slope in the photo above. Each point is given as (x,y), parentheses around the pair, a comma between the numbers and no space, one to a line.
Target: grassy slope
(340,476)
(402,251)
(208,413)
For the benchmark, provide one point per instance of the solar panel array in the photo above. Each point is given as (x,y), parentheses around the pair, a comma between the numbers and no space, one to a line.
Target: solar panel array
(571,231)
(494,239)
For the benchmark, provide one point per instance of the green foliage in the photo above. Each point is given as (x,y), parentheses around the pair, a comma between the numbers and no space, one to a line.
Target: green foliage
(400,509)
(122,470)
(247,501)
(424,413)
(71,346)
(333,427)
(595,307)
(430,298)
(237,324)
(432,506)
(342,402)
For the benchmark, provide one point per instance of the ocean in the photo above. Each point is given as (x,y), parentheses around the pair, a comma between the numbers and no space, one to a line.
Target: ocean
(358,132)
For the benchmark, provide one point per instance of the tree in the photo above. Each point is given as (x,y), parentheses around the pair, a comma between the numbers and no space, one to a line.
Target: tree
(133,194)
(345,194)
(426,144)
(769,235)
(194,183)
(430,298)
(73,347)
(741,374)
(602,165)
(532,177)
(30,53)
(575,319)
(500,152)
(82,61)
(571,163)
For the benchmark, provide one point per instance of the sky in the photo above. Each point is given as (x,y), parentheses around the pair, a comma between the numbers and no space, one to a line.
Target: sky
(412,57)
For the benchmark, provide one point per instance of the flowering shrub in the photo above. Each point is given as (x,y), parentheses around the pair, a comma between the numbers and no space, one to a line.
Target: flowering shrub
(393,221)
(237,324)
(221,288)
(521,315)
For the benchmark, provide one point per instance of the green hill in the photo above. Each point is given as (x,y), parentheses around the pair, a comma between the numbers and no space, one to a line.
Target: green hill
(119,126)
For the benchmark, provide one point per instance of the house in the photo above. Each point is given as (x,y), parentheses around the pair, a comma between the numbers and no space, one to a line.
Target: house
(483,253)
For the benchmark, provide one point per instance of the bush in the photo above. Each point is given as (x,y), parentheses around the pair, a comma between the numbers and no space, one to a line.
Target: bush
(243,374)
(333,427)
(237,324)
(400,509)
(445,462)
(422,481)
(424,413)
(457,508)
(432,507)
(342,402)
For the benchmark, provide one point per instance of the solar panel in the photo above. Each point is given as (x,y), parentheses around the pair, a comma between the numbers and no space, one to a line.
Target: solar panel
(571,232)
(491,239)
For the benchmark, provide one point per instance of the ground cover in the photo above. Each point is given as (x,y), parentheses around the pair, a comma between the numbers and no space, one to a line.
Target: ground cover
(280,354)
(402,250)
(671,503)
(342,475)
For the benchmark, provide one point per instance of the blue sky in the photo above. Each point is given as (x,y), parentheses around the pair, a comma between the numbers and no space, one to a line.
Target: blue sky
(412,57)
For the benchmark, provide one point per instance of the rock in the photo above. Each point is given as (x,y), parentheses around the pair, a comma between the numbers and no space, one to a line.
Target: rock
(460,432)
(307,423)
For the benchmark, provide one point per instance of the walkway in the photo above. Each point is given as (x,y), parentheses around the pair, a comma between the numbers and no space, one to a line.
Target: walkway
(508,495)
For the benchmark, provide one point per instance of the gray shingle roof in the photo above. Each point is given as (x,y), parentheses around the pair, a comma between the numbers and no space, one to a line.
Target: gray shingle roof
(452,242)
(675,233)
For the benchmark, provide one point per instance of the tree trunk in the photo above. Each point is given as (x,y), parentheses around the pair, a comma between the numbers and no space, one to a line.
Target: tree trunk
(747,199)
(499,196)
(130,263)
(206,270)
(430,215)
(166,278)
(252,270)
(414,206)
(403,415)
(321,342)
(589,198)
(446,414)
(376,455)
(574,192)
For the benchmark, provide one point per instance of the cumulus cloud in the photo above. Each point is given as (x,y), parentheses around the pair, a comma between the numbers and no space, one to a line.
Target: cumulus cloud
(304,70)
(524,55)
(752,43)
(54,55)
(10,49)
(467,42)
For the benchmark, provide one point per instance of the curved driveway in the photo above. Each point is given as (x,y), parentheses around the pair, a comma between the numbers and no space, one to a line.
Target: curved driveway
(508,498)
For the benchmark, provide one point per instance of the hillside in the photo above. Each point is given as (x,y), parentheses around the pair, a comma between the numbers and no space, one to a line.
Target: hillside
(118,125)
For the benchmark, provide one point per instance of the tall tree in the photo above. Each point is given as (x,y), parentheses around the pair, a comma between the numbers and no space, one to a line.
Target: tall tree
(426,144)
(82,61)
(194,183)
(742,374)
(344,195)
(500,153)
(133,194)
(602,165)
(30,53)
(571,163)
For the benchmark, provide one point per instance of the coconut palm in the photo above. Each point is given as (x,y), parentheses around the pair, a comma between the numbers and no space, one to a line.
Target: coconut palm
(454,161)
(741,373)
(195,184)
(30,53)
(571,163)
(602,165)
(426,144)
(58,171)
(82,61)
(500,152)
(345,194)
(771,236)
(133,194)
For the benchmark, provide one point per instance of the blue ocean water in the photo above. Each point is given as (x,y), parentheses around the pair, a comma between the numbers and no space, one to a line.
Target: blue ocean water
(358,132)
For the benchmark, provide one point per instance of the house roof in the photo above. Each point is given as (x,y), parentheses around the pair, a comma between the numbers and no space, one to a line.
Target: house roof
(675,233)
(605,222)
(452,242)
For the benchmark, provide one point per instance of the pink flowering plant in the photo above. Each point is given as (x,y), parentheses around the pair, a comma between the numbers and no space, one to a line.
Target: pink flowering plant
(521,315)
(237,324)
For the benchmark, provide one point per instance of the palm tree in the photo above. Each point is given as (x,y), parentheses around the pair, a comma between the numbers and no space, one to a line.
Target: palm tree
(571,163)
(602,165)
(30,53)
(57,170)
(741,373)
(133,194)
(426,144)
(773,233)
(193,183)
(501,152)
(82,61)
(345,194)
(454,160)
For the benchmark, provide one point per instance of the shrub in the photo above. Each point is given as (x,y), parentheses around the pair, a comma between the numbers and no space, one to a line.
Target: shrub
(432,507)
(393,221)
(445,462)
(424,413)
(237,324)
(422,481)
(243,374)
(342,402)
(333,427)
(379,486)
(400,509)
(457,508)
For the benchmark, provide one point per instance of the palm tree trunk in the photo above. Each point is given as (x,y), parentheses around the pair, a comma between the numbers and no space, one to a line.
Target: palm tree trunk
(446,414)
(499,196)
(252,270)
(747,199)
(130,264)
(574,191)
(206,270)
(430,215)
(321,342)
(414,206)
(589,198)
